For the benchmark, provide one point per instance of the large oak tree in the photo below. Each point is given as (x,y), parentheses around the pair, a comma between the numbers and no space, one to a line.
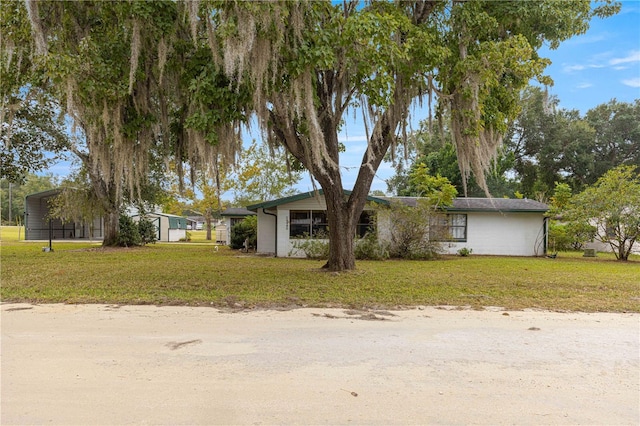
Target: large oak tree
(310,63)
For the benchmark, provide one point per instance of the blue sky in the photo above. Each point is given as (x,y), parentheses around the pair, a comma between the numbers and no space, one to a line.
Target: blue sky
(588,70)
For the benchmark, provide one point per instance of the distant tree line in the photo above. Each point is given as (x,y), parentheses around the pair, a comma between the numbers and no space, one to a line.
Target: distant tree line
(543,146)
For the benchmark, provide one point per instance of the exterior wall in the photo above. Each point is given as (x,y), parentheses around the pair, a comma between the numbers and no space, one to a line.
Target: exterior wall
(285,244)
(503,234)
(177,234)
(227,224)
(266,233)
(222,234)
(488,233)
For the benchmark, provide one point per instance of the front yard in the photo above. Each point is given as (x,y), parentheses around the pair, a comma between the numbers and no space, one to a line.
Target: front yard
(198,274)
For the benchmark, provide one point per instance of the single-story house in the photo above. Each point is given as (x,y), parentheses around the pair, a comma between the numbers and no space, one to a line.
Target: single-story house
(488,226)
(38,225)
(230,217)
(169,227)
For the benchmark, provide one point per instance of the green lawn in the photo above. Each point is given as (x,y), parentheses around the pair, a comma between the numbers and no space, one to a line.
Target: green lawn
(197,274)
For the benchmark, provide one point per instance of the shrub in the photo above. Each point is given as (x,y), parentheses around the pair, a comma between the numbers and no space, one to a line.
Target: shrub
(409,229)
(313,247)
(464,252)
(147,230)
(247,230)
(570,236)
(129,235)
(369,248)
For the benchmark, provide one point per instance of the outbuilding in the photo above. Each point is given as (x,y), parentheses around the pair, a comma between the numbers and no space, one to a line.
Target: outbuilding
(40,226)
(230,217)
(488,226)
(169,227)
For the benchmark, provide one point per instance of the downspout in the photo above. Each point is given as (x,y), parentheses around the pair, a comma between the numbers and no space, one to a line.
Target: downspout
(545,230)
(276,216)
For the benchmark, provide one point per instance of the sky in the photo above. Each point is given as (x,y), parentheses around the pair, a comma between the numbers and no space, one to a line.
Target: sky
(587,70)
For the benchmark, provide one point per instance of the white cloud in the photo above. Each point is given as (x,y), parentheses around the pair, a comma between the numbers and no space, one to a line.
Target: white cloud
(569,69)
(633,56)
(572,68)
(632,82)
(584,85)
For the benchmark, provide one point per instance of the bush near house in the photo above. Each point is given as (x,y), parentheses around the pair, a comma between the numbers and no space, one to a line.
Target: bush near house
(247,230)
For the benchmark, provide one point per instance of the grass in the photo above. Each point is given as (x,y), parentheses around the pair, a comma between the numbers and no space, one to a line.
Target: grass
(197,274)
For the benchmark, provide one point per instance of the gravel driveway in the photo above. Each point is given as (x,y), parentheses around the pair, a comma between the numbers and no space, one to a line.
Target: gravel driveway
(113,365)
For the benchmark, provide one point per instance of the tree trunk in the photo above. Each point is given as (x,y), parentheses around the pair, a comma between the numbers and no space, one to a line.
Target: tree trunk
(341,231)
(111,228)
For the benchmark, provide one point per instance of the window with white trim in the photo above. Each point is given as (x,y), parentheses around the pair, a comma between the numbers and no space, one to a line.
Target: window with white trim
(450,227)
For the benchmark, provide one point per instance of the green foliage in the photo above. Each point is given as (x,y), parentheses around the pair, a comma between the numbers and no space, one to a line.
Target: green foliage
(613,206)
(570,236)
(464,252)
(437,190)
(409,231)
(567,235)
(262,174)
(313,247)
(32,136)
(244,231)
(370,248)
(129,234)
(147,230)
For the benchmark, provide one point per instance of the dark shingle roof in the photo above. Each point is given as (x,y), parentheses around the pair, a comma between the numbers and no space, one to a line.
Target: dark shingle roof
(237,212)
(498,204)
(463,204)
(304,196)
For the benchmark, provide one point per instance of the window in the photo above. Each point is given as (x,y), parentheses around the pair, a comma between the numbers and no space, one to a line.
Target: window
(451,227)
(365,223)
(307,223)
(314,223)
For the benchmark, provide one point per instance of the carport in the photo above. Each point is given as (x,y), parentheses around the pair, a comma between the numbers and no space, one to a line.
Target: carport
(39,225)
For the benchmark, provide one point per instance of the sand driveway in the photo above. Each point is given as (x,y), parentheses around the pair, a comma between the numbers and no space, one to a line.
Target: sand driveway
(113,365)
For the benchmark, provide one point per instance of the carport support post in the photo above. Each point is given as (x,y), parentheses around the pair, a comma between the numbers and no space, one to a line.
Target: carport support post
(50,233)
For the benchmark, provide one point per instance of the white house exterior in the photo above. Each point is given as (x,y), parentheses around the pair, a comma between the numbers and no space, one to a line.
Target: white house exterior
(493,226)
(488,226)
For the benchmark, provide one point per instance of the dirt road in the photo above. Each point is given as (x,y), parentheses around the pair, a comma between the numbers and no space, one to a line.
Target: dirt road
(113,365)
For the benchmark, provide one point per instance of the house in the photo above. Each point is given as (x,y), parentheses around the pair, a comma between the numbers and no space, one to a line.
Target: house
(230,217)
(169,227)
(494,226)
(488,226)
(38,225)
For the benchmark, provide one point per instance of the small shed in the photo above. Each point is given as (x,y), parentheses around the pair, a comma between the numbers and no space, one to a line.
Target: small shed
(39,226)
(169,227)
